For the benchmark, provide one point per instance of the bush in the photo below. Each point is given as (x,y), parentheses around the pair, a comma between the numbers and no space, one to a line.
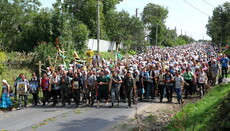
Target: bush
(2,60)
(44,50)
(206,114)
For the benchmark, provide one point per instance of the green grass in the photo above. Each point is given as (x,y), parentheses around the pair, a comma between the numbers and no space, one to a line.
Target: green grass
(11,74)
(107,55)
(201,115)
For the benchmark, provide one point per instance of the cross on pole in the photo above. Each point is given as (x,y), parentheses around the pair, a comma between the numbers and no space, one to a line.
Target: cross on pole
(49,59)
(39,67)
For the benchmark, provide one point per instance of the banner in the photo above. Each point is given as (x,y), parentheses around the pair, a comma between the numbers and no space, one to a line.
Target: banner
(34,86)
(22,88)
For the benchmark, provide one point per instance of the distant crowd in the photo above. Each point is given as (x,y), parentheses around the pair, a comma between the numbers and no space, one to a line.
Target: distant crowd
(157,74)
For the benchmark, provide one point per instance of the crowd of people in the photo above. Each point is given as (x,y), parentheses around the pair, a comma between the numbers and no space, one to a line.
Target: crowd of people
(155,74)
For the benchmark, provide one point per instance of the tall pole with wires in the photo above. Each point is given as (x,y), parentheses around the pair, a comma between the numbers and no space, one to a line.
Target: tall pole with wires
(156,33)
(98,26)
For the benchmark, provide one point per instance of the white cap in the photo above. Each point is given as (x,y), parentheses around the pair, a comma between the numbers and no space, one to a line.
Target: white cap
(4,81)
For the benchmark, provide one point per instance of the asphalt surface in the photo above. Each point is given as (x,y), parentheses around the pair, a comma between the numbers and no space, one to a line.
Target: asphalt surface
(67,118)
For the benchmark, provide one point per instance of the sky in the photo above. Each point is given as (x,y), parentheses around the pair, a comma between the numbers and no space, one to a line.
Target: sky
(188,16)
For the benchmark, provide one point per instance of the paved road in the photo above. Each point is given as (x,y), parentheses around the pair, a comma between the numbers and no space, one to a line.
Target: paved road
(69,118)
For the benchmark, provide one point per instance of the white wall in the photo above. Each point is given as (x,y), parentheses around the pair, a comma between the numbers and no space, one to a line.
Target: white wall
(104,45)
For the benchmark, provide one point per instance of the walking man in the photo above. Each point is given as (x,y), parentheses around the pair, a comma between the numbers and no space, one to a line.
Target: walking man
(64,88)
(115,87)
(129,85)
(179,84)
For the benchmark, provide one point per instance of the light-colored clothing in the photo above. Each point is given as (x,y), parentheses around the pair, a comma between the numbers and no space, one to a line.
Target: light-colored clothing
(178,81)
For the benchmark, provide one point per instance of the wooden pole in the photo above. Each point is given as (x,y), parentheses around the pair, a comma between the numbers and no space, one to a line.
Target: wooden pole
(40,67)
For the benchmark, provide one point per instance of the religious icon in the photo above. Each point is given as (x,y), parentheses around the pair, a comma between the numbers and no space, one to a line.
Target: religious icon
(76,85)
(34,86)
(22,88)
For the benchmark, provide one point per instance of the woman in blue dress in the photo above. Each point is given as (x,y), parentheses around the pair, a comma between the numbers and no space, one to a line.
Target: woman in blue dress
(6,102)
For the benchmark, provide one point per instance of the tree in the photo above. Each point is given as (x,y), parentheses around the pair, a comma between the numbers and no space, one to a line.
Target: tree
(219,24)
(121,28)
(86,11)
(38,30)
(154,17)
(187,39)
(116,26)
(15,17)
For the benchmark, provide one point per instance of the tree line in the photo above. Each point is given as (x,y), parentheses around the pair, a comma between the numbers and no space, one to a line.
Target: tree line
(26,26)
(218,27)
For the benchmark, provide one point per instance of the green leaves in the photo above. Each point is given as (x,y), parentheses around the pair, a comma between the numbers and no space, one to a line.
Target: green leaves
(219,24)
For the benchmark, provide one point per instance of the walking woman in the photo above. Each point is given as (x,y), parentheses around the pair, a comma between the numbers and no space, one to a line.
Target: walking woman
(6,102)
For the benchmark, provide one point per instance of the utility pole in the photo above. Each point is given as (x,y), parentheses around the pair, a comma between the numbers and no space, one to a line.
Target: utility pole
(136,12)
(98,26)
(156,33)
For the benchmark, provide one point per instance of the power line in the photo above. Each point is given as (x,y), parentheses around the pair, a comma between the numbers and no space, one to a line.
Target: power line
(208,3)
(195,8)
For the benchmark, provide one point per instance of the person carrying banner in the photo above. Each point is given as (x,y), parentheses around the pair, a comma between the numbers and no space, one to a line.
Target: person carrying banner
(23,87)
(34,88)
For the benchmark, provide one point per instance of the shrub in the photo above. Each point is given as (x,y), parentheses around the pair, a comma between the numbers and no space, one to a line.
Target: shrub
(2,60)
(43,50)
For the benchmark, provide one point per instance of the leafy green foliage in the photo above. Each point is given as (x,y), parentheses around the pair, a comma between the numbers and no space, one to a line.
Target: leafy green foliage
(2,60)
(180,41)
(187,39)
(204,114)
(43,50)
(122,28)
(219,24)
(154,17)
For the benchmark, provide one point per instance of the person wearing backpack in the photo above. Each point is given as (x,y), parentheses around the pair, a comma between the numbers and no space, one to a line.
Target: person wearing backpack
(90,86)
(168,78)
(189,78)
(202,80)
(179,84)
(161,84)
(64,88)
(115,87)
(6,102)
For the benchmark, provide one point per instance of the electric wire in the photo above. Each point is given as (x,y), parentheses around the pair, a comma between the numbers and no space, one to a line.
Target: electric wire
(195,8)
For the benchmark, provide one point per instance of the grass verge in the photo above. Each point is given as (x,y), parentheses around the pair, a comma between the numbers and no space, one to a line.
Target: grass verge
(204,114)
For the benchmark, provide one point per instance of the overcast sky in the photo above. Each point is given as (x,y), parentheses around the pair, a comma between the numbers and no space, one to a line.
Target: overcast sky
(190,16)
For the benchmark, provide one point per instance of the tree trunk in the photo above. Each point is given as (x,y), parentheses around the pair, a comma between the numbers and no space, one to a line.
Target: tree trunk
(117,44)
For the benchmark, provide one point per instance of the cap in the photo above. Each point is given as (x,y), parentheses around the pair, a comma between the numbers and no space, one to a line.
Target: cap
(4,81)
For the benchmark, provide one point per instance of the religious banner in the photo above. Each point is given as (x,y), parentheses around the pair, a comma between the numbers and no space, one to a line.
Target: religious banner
(22,88)
(76,84)
(34,86)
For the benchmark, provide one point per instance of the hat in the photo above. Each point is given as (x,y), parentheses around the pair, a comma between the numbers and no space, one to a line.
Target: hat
(4,81)
(129,72)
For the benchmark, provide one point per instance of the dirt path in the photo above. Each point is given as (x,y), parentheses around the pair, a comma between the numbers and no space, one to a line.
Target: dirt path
(155,116)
